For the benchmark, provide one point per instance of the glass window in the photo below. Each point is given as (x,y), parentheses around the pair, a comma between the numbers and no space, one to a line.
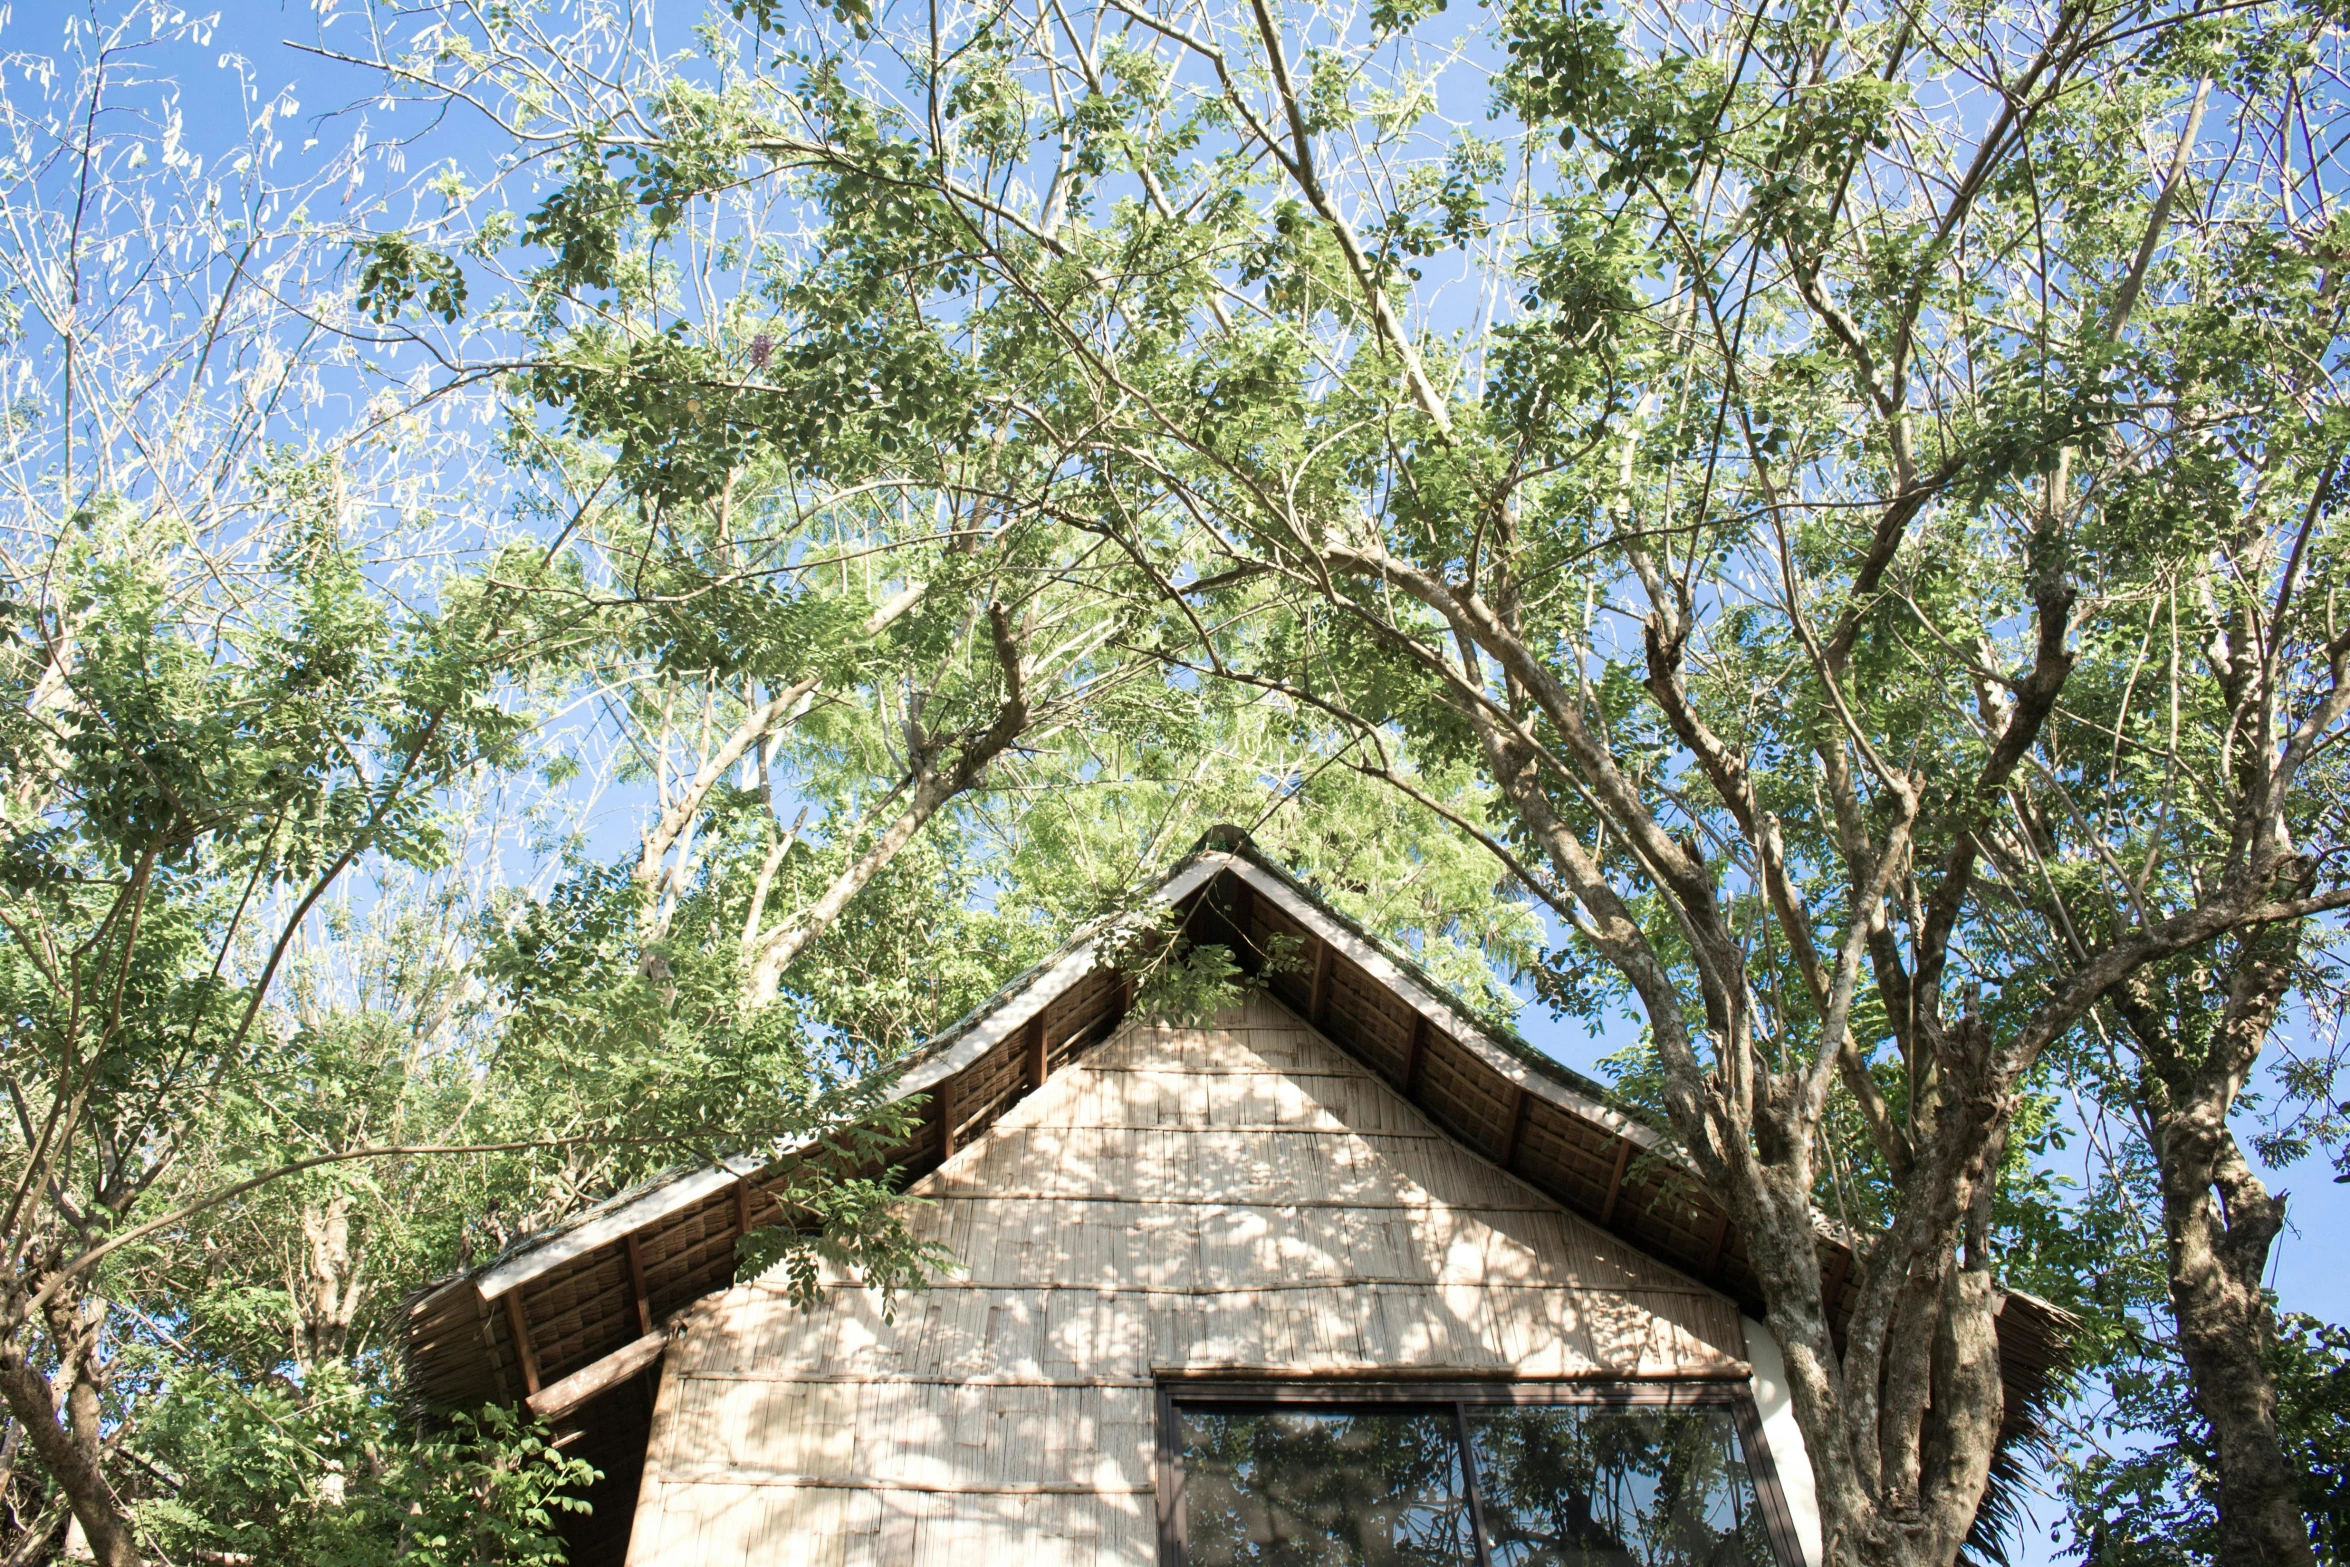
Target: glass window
(1323,1488)
(1476,1480)
(1568,1485)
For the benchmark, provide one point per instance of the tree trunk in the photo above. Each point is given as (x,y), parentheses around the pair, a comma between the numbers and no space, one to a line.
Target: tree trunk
(773,953)
(776,950)
(328,1292)
(2219,1222)
(2218,1251)
(71,1457)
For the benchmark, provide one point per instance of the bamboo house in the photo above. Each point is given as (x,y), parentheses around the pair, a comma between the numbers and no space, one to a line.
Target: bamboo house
(1349,1276)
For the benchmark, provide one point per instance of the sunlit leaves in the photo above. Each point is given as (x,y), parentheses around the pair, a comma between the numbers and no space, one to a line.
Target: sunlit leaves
(395,270)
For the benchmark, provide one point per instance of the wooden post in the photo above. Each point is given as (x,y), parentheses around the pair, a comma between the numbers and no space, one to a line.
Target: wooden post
(1615,1183)
(1509,1145)
(742,1206)
(524,1350)
(1170,1480)
(1243,915)
(636,1284)
(946,1118)
(1411,1064)
(1034,1042)
(597,1377)
(1318,1000)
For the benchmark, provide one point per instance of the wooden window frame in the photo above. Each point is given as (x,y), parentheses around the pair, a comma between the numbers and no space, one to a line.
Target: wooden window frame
(1370,1392)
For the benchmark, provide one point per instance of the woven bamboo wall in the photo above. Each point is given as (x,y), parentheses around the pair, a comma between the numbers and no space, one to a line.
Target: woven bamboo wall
(1244,1197)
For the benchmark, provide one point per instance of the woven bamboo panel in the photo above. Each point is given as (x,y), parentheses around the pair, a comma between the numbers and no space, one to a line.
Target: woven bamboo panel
(691,1255)
(982,1090)
(915,1435)
(1566,1156)
(1674,1221)
(452,1358)
(1372,1019)
(1464,1096)
(830,1526)
(1081,1015)
(582,1313)
(1271,932)
(1242,1197)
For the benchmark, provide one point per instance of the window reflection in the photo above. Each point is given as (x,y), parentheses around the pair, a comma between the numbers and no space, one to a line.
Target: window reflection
(1281,1488)
(1546,1485)
(1592,1486)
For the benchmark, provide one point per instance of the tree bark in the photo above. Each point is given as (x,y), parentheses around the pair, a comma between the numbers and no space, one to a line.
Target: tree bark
(2221,1222)
(329,1290)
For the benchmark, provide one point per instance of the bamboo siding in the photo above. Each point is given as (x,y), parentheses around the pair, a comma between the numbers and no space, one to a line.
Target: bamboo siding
(1238,1199)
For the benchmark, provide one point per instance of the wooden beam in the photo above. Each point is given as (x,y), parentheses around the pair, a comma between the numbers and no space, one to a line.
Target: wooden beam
(1032,1045)
(947,1109)
(1509,1145)
(1318,1000)
(1242,914)
(558,1399)
(742,1205)
(524,1350)
(1615,1184)
(636,1284)
(1168,1475)
(1419,1051)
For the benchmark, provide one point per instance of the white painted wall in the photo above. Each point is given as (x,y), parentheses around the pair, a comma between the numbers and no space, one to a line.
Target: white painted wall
(1783,1438)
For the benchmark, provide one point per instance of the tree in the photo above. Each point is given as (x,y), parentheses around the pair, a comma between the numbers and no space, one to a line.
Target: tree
(801,547)
(2219,1223)
(2200,1441)
(319,987)
(2158,1502)
(1853,409)
(213,714)
(2197,1024)
(252,710)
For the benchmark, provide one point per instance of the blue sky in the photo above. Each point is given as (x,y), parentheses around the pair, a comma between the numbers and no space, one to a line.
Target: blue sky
(2311,1271)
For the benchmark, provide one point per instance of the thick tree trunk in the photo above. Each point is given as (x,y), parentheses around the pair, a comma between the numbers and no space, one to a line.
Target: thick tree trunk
(328,1291)
(2218,1250)
(70,1456)
(2219,1222)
